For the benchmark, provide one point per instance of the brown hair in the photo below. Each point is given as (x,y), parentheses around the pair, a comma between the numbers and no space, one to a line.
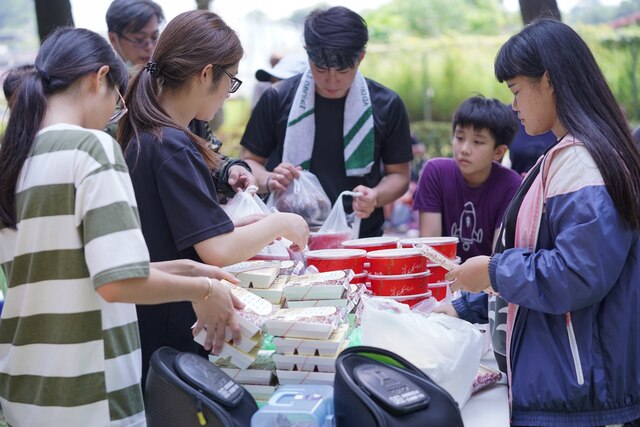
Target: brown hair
(190,41)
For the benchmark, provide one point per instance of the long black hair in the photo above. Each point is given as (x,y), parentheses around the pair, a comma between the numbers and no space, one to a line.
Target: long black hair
(584,103)
(65,56)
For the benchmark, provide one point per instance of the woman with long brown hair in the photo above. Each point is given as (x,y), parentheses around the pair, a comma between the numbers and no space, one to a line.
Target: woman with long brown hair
(190,75)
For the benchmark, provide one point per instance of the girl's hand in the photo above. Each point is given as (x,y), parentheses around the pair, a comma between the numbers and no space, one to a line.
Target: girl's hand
(214,314)
(471,276)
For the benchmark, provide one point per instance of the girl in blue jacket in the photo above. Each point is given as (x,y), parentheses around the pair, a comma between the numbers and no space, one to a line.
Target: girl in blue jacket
(568,257)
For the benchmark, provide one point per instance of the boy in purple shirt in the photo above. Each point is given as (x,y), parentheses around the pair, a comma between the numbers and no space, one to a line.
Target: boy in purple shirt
(466,196)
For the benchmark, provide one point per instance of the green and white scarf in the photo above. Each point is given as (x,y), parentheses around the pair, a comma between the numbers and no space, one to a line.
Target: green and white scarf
(357,130)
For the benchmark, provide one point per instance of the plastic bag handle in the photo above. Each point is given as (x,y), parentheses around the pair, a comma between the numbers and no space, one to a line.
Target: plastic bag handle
(355,231)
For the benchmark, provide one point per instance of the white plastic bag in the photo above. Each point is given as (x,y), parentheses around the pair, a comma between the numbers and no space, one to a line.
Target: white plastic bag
(447,349)
(335,229)
(304,196)
(246,203)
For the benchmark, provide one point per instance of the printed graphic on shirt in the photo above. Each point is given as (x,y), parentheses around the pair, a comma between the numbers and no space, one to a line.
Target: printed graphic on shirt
(465,230)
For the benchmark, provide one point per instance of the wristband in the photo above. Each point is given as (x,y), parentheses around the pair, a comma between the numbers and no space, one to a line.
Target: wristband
(210,291)
(490,289)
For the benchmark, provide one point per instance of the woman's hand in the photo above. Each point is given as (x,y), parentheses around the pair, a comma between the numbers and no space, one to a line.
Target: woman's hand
(214,314)
(296,230)
(240,178)
(249,219)
(471,276)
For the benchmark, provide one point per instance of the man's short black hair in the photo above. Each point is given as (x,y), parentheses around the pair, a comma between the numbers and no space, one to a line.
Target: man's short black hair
(335,37)
(490,114)
(131,15)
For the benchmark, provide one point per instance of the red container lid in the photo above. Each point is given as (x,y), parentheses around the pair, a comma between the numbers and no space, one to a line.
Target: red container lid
(370,241)
(394,253)
(430,240)
(335,254)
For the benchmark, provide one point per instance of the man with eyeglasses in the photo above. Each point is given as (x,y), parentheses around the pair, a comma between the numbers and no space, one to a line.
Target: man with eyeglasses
(351,132)
(134,28)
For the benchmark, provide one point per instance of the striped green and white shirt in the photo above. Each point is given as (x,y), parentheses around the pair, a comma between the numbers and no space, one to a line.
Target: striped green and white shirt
(67,357)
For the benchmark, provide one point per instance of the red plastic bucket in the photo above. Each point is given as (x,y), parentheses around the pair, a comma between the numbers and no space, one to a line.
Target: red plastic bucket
(439,290)
(437,272)
(399,284)
(337,259)
(448,246)
(396,261)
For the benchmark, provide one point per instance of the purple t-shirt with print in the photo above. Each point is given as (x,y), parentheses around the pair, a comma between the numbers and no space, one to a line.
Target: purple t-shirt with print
(470,213)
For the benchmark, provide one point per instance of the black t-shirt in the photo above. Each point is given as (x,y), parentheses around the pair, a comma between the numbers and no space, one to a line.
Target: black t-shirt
(266,129)
(178,208)
(176,196)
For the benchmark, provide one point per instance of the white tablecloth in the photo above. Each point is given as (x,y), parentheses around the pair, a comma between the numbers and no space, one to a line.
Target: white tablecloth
(490,406)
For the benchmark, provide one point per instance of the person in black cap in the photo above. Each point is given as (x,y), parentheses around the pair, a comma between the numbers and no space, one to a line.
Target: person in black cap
(350,131)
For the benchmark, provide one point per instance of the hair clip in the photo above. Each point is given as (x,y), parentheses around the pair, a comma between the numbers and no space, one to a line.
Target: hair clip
(153,69)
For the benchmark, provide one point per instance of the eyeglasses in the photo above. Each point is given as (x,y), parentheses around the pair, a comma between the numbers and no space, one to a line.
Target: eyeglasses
(141,42)
(121,111)
(235,82)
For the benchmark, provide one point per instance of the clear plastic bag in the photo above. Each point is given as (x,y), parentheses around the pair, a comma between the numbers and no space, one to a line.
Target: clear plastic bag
(305,197)
(246,203)
(335,229)
(447,349)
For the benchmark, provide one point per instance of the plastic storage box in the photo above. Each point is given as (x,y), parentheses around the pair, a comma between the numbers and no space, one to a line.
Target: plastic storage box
(297,406)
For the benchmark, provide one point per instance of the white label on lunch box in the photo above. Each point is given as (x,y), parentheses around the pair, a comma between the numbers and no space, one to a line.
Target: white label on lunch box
(252,303)
(437,257)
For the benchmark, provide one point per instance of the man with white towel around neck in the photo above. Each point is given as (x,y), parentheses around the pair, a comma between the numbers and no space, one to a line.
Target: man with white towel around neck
(351,132)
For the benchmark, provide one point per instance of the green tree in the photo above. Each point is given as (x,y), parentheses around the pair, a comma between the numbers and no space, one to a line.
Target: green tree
(428,18)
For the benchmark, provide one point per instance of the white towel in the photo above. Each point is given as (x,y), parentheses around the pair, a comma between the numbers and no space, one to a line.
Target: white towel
(357,130)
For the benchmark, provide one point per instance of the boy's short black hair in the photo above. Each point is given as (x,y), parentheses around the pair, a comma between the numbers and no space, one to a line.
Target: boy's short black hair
(335,37)
(131,15)
(490,114)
